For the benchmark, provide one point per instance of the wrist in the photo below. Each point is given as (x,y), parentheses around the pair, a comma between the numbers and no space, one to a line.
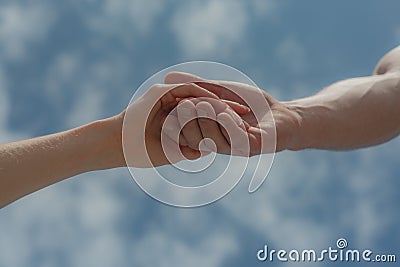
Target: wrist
(106,143)
(310,126)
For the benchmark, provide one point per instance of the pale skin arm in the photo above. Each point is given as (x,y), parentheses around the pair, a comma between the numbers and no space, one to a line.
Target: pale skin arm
(29,165)
(349,114)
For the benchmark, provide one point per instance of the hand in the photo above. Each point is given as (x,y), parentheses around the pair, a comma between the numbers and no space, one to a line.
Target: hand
(267,124)
(190,110)
(144,120)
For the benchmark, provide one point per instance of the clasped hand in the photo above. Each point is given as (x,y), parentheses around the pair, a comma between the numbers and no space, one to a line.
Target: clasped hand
(188,117)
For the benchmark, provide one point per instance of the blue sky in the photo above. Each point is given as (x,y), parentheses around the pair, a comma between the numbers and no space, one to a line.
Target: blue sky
(66,63)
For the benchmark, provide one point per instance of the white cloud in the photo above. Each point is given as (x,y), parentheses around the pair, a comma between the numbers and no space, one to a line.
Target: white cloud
(160,248)
(292,55)
(124,18)
(275,211)
(92,88)
(286,209)
(4,101)
(62,75)
(87,82)
(77,221)
(141,12)
(87,107)
(6,135)
(104,250)
(205,28)
(21,26)
(372,184)
(76,218)
(69,75)
(264,8)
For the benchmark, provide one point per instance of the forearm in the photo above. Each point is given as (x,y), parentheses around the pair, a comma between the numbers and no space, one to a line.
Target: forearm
(350,114)
(30,165)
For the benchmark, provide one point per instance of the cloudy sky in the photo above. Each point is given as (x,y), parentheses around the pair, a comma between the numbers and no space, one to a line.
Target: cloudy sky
(66,63)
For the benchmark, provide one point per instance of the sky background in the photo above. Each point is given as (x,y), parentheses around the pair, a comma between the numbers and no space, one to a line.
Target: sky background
(66,63)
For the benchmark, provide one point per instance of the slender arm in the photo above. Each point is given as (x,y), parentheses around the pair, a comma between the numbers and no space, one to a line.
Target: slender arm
(29,165)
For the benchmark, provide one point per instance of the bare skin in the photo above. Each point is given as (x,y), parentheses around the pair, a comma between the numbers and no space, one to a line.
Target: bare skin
(349,114)
(29,165)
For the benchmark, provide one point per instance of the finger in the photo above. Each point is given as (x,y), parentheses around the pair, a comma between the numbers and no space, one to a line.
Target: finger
(255,140)
(265,139)
(212,86)
(187,117)
(182,140)
(238,108)
(190,90)
(173,140)
(248,92)
(254,143)
(236,118)
(175,153)
(210,128)
(190,153)
(258,100)
(237,136)
(224,92)
(165,97)
(221,105)
(171,128)
(176,77)
(224,89)
(225,133)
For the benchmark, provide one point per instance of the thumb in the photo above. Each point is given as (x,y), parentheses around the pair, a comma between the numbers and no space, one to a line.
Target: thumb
(176,77)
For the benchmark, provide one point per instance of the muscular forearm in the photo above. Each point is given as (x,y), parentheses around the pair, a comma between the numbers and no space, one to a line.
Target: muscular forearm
(350,114)
(30,165)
